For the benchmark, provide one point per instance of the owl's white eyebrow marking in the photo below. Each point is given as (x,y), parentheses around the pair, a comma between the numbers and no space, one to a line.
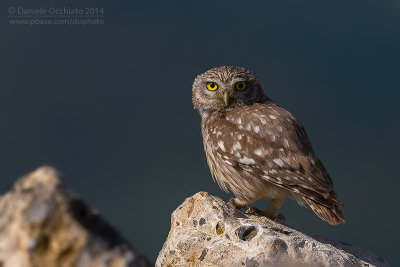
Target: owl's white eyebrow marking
(272,117)
(221,145)
(258,152)
(278,162)
(246,160)
(237,146)
(256,129)
(285,142)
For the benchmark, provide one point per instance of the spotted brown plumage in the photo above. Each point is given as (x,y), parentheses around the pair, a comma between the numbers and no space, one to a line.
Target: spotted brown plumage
(256,149)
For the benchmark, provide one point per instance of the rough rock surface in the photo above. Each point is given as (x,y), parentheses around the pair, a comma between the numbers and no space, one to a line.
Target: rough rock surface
(205,231)
(43,224)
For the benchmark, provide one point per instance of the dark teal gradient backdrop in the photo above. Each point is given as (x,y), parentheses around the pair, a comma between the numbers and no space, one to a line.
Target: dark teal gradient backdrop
(110,106)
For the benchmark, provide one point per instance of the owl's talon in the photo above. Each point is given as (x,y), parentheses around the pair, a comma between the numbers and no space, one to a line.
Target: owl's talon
(280,218)
(254,211)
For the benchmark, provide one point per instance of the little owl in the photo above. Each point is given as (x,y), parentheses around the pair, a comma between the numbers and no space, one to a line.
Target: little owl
(257,149)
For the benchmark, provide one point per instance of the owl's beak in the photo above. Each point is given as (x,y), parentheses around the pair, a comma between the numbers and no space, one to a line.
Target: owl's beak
(226,98)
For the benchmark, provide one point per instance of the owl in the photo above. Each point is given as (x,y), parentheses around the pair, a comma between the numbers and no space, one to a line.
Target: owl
(258,150)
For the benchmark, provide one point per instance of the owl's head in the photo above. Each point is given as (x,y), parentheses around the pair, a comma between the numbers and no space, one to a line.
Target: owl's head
(226,87)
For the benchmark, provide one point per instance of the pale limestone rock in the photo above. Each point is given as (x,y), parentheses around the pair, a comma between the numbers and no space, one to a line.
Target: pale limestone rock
(205,231)
(42,224)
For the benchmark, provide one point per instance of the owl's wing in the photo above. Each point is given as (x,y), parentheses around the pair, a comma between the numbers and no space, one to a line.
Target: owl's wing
(269,142)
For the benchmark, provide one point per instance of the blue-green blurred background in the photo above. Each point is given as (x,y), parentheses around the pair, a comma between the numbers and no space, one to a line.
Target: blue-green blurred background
(110,105)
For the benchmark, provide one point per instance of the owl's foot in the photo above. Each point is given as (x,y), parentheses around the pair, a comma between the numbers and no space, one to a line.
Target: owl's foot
(274,217)
(239,204)
(254,211)
(272,211)
(280,218)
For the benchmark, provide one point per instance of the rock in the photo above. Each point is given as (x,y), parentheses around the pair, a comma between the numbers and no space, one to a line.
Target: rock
(43,224)
(205,231)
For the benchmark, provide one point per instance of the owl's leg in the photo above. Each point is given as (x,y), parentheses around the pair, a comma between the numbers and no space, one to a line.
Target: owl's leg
(272,210)
(238,203)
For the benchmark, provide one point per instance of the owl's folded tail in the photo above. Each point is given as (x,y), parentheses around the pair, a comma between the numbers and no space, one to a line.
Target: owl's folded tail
(332,215)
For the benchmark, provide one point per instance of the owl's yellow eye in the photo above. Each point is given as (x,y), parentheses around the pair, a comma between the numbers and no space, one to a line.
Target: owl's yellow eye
(241,86)
(212,86)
